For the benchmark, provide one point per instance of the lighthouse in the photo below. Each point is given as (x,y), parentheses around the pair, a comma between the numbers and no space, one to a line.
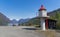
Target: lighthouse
(43,16)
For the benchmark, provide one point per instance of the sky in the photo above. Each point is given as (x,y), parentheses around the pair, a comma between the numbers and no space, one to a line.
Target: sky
(22,9)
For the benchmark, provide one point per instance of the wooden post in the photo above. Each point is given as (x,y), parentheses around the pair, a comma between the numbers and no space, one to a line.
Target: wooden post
(46,23)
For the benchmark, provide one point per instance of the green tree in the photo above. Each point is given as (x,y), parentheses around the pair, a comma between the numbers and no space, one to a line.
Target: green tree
(57,17)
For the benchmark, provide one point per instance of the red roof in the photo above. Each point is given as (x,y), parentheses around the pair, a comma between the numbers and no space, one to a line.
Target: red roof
(42,8)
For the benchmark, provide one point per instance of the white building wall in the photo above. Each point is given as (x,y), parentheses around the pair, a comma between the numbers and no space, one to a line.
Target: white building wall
(43,24)
(43,13)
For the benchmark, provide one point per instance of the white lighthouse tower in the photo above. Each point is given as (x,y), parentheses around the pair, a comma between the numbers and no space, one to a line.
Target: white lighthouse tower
(43,16)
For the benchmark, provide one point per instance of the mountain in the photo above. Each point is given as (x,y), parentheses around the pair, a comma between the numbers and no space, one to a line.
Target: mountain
(14,21)
(33,21)
(23,20)
(3,20)
(29,21)
(53,13)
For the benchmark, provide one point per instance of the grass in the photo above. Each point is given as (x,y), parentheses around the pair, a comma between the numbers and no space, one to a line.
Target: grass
(48,33)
